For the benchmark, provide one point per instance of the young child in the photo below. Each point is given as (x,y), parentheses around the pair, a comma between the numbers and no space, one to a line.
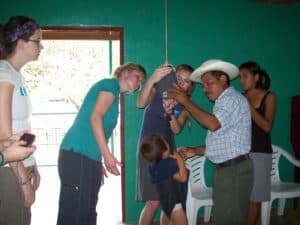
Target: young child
(168,172)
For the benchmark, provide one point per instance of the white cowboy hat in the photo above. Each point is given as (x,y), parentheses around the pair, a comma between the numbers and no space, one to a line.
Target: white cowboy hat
(214,65)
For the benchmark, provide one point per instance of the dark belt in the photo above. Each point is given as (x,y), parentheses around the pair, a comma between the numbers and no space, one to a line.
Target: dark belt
(233,161)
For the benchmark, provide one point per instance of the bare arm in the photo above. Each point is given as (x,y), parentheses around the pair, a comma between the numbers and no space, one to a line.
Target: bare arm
(13,150)
(104,102)
(189,152)
(199,150)
(148,92)
(6,91)
(146,95)
(176,124)
(206,119)
(265,122)
(181,175)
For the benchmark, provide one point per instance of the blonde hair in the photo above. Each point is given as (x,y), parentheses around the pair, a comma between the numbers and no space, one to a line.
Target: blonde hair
(130,67)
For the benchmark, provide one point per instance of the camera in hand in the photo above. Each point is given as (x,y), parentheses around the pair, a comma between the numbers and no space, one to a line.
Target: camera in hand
(28,138)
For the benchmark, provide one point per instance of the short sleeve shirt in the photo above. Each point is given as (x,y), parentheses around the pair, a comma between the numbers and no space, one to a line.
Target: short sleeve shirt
(234,137)
(164,169)
(21,105)
(80,137)
(170,192)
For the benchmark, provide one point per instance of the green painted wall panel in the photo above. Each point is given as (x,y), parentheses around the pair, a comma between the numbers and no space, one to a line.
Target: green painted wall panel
(233,30)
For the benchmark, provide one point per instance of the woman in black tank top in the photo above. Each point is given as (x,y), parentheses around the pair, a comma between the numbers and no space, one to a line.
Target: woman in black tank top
(256,83)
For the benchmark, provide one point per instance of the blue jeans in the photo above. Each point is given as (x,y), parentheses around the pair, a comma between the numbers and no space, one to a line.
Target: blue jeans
(80,179)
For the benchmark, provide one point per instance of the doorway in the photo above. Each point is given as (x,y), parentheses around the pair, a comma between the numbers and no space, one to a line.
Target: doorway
(71,61)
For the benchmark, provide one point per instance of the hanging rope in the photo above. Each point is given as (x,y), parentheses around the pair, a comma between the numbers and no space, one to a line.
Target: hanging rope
(166,32)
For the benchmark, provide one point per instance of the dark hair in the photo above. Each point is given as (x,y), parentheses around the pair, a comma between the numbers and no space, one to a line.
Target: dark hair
(152,147)
(217,74)
(264,81)
(185,67)
(17,27)
(190,69)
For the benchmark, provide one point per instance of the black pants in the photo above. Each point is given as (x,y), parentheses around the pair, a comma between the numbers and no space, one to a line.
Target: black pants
(80,179)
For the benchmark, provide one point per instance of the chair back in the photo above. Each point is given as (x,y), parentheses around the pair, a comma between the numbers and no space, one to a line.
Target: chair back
(275,164)
(196,176)
(279,190)
(277,152)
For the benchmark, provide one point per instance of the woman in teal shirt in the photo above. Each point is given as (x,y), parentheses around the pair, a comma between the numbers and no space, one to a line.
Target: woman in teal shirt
(85,144)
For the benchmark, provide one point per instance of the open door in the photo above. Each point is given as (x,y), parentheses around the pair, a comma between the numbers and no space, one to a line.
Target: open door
(72,60)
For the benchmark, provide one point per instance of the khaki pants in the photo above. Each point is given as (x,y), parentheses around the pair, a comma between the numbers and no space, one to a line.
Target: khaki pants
(12,210)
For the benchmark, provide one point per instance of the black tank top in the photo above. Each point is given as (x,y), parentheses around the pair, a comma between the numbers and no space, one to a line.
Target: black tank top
(261,140)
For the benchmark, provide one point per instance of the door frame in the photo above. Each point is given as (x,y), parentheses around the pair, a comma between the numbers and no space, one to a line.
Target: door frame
(97,33)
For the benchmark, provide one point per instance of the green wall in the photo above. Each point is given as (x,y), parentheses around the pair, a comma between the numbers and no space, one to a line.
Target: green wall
(233,30)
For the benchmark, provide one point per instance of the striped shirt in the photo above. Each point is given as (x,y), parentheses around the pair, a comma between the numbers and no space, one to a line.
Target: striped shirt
(233,138)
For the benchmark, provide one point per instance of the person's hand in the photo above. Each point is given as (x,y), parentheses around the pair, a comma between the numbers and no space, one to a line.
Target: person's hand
(111,164)
(17,136)
(187,152)
(177,93)
(168,105)
(16,152)
(8,142)
(103,175)
(176,156)
(36,179)
(160,73)
(29,194)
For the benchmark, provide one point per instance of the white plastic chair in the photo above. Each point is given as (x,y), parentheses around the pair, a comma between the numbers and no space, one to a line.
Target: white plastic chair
(279,190)
(199,195)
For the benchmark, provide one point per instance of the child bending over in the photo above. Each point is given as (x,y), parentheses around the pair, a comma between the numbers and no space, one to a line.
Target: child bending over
(168,172)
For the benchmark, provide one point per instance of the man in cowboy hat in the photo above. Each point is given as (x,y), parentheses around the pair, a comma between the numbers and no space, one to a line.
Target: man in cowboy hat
(228,139)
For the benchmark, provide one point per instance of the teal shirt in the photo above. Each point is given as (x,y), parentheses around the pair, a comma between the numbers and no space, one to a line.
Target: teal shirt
(80,137)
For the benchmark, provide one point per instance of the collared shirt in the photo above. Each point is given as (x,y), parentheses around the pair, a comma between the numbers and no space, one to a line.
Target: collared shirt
(233,138)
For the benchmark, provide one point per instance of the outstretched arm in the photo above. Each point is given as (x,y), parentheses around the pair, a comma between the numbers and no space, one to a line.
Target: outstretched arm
(189,152)
(206,119)
(147,93)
